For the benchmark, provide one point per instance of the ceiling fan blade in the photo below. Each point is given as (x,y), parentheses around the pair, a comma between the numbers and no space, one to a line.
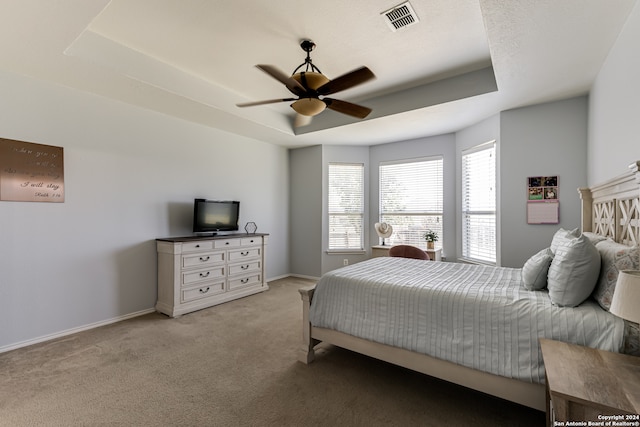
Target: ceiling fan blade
(346,81)
(267,101)
(348,108)
(291,84)
(301,120)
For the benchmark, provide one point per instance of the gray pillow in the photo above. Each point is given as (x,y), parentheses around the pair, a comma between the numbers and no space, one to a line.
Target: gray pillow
(593,237)
(573,272)
(534,271)
(562,236)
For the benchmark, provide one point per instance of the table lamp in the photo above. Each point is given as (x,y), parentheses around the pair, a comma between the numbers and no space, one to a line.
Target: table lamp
(626,296)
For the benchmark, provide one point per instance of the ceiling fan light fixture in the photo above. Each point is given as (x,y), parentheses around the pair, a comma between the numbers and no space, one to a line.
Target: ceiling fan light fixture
(310,79)
(309,106)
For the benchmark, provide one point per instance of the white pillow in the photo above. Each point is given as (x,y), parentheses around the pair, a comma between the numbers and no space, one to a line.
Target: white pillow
(573,272)
(562,236)
(534,271)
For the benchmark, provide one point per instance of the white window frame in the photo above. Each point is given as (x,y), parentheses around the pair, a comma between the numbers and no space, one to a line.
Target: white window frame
(409,225)
(355,212)
(480,245)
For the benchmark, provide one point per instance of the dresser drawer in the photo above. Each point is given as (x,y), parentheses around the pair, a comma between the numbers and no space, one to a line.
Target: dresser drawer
(247,267)
(200,245)
(202,275)
(226,243)
(244,254)
(203,291)
(244,281)
(250,241)
(202,259)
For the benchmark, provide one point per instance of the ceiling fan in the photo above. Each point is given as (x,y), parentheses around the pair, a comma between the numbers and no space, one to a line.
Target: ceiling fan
(309,85)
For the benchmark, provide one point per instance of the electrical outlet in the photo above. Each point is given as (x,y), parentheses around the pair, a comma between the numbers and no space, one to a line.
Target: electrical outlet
(345,261)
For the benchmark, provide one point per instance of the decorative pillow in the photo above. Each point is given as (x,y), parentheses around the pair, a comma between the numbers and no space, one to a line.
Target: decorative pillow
(573,272)
(615,257)
(534,271)
(593,237)
(562,236)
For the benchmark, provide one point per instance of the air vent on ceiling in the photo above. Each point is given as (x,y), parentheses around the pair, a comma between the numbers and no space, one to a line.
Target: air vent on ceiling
(400,16)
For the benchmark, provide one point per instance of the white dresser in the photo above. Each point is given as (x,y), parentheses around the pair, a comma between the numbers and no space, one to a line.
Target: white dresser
(198,272)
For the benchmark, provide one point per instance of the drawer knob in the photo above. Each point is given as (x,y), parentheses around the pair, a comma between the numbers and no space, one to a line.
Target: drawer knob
(197,246)
(244,280)
(245,253)
(244,267)
(203,259)
(204,291)
(226,243)
(205,274)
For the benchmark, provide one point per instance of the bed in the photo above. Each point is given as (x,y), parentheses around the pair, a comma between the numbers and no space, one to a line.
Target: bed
(478,326)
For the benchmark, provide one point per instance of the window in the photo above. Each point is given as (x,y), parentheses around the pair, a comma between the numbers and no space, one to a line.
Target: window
(411,194)
(346,206)
(479,203)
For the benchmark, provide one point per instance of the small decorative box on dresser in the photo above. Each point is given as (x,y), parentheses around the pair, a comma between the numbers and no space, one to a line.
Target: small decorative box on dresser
(199,272)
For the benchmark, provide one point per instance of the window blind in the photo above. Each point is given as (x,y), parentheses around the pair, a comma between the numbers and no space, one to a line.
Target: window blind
(346,206)
(479,203)
(411,199)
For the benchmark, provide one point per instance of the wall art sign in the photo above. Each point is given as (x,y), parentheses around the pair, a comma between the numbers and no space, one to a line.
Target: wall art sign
(543,204)
(31,172)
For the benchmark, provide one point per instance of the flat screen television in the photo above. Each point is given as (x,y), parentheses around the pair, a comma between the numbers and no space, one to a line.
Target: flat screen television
(212,216)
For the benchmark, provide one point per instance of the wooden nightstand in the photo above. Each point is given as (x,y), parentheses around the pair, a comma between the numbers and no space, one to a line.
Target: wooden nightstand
(585,384)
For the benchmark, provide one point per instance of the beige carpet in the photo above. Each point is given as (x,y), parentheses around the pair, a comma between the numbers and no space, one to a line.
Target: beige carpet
(229,365)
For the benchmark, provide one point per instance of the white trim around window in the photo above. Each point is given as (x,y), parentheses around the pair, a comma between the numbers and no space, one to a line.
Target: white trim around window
(345,208)
(479,219)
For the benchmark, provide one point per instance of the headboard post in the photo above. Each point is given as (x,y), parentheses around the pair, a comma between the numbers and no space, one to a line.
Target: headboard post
(586,220)
(635,170)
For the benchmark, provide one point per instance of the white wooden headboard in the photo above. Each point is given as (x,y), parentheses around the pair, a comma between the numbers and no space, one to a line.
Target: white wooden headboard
(612,209)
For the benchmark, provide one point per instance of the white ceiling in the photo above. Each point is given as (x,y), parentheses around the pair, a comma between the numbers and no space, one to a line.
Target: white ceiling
(195,59)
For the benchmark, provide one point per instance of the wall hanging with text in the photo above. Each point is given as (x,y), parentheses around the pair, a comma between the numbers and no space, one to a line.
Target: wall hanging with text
(31,172)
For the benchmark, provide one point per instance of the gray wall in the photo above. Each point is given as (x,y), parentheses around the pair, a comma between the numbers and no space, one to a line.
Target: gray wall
(309,200)
(130,177)
(306,211)
(614,106)
(545,139)
(442,145)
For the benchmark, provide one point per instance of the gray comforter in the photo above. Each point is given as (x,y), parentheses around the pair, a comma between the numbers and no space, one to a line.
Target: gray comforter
(477,316)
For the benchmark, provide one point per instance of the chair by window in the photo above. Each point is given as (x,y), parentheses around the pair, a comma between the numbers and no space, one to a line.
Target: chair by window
(408,251)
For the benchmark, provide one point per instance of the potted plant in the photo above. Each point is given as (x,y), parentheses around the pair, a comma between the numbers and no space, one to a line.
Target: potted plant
(431,237)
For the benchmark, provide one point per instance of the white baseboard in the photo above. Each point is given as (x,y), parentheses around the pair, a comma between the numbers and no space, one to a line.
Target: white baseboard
(301,276)
(74,330)
(283,276)
(110,321)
